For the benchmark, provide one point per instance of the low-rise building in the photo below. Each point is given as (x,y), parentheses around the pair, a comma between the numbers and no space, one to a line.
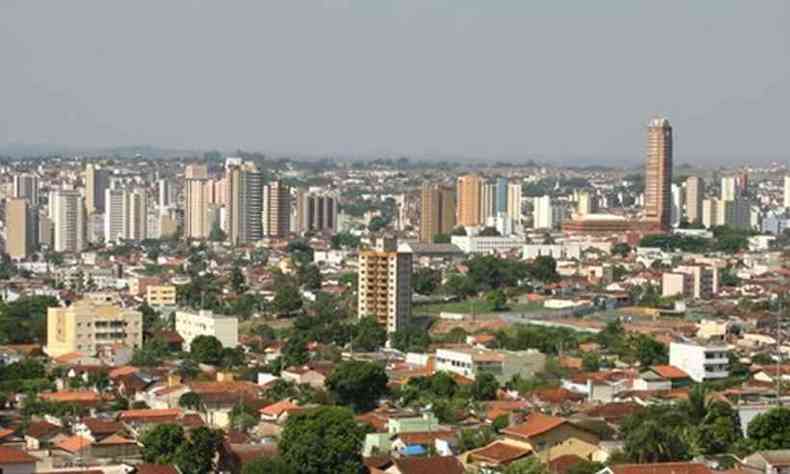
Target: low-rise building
(486,244)
(160,295)
(87,326)
(701,361)
(470,362)
(557,252)
(190,325)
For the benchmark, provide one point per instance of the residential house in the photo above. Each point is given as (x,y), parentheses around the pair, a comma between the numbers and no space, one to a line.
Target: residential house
(419,465)
(550,437)
(16,461)
(42,434)
(768,462)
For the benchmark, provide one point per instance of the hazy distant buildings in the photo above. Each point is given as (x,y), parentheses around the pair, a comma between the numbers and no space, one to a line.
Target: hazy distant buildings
(658,173)
(276,209)
(468,197)
(437,212)
(166,193)
(728,188)
(695,194)
(787,192)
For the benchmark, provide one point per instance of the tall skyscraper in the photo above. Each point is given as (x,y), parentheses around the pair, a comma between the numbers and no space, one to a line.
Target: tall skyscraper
(196,200)
(97,180)
(244,188)
(384,290)
(21,228)
(544,215)
(729,188)
(166,190)
(587,204)
(501,195)
(487,201)
(514,201)
(316,212)
(787,192)
(26,187)
(114,215)
(276,209)
(136,215)
(437,211)
(469,193)
(695,193)
(69,221)
(658,173)
(677,205)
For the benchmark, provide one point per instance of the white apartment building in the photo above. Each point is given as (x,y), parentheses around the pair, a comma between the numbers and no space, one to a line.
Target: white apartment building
(557,252)
(470,362)
(483,244)
(701,361)
(205,323)
(384,290)
(68,219)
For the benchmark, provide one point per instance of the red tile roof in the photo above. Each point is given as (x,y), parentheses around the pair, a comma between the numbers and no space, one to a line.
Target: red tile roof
(156,469)
(424,437)
(535,424)
(429,465)
(499,453)
(277,409)
(74,444)
(150,414)
(42,429)
(670,372)
(562,464)
(15,456)
(661,468)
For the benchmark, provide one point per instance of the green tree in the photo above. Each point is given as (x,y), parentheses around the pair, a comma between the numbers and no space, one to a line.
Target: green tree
(310,276)
(544,268)
(287,300)
(441,239)
(196,455)
(243,417)
(586,467)
(410,339)
(190,401)
(489,232)
(321,437)
(497,299)
(268,466)
(161,442)
(206,350)
(295,351)
(426,280)
(459,231)
(368,335)
(591,362)
(531,465)
(358,384)
(237,281)
(485,387)
(217,234)
(622,249)
(770,430)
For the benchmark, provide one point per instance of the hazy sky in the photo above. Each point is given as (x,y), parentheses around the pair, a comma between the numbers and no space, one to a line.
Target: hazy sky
(475,78)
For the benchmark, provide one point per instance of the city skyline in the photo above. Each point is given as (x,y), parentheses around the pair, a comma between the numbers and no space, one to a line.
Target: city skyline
(549,82)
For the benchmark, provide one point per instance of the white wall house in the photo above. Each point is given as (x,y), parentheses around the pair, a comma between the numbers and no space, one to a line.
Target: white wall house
(206,323)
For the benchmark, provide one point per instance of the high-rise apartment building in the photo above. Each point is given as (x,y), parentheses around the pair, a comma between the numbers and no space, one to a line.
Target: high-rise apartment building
(695,194)
(729,188)
(87,326)
(501,195)
(97,180)
(586,204)
(114,215)
(68,218)
(469,193)
(196,221)
(545,215)
(437,211)
(658,173)
(787,191)
(487,201)
(676,206)
(136,215)
(244,189)
(276,209)
(26,187)
(21,228)
(166,190)
(385,284)
(514,201)
(316,212)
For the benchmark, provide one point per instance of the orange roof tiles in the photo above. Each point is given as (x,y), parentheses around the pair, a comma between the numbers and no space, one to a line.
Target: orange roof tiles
(74,444)
(149,414)
(670,372)
(661,468)
(15,456)
(535,424)
(277,409)
(67,396)
(499,453)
